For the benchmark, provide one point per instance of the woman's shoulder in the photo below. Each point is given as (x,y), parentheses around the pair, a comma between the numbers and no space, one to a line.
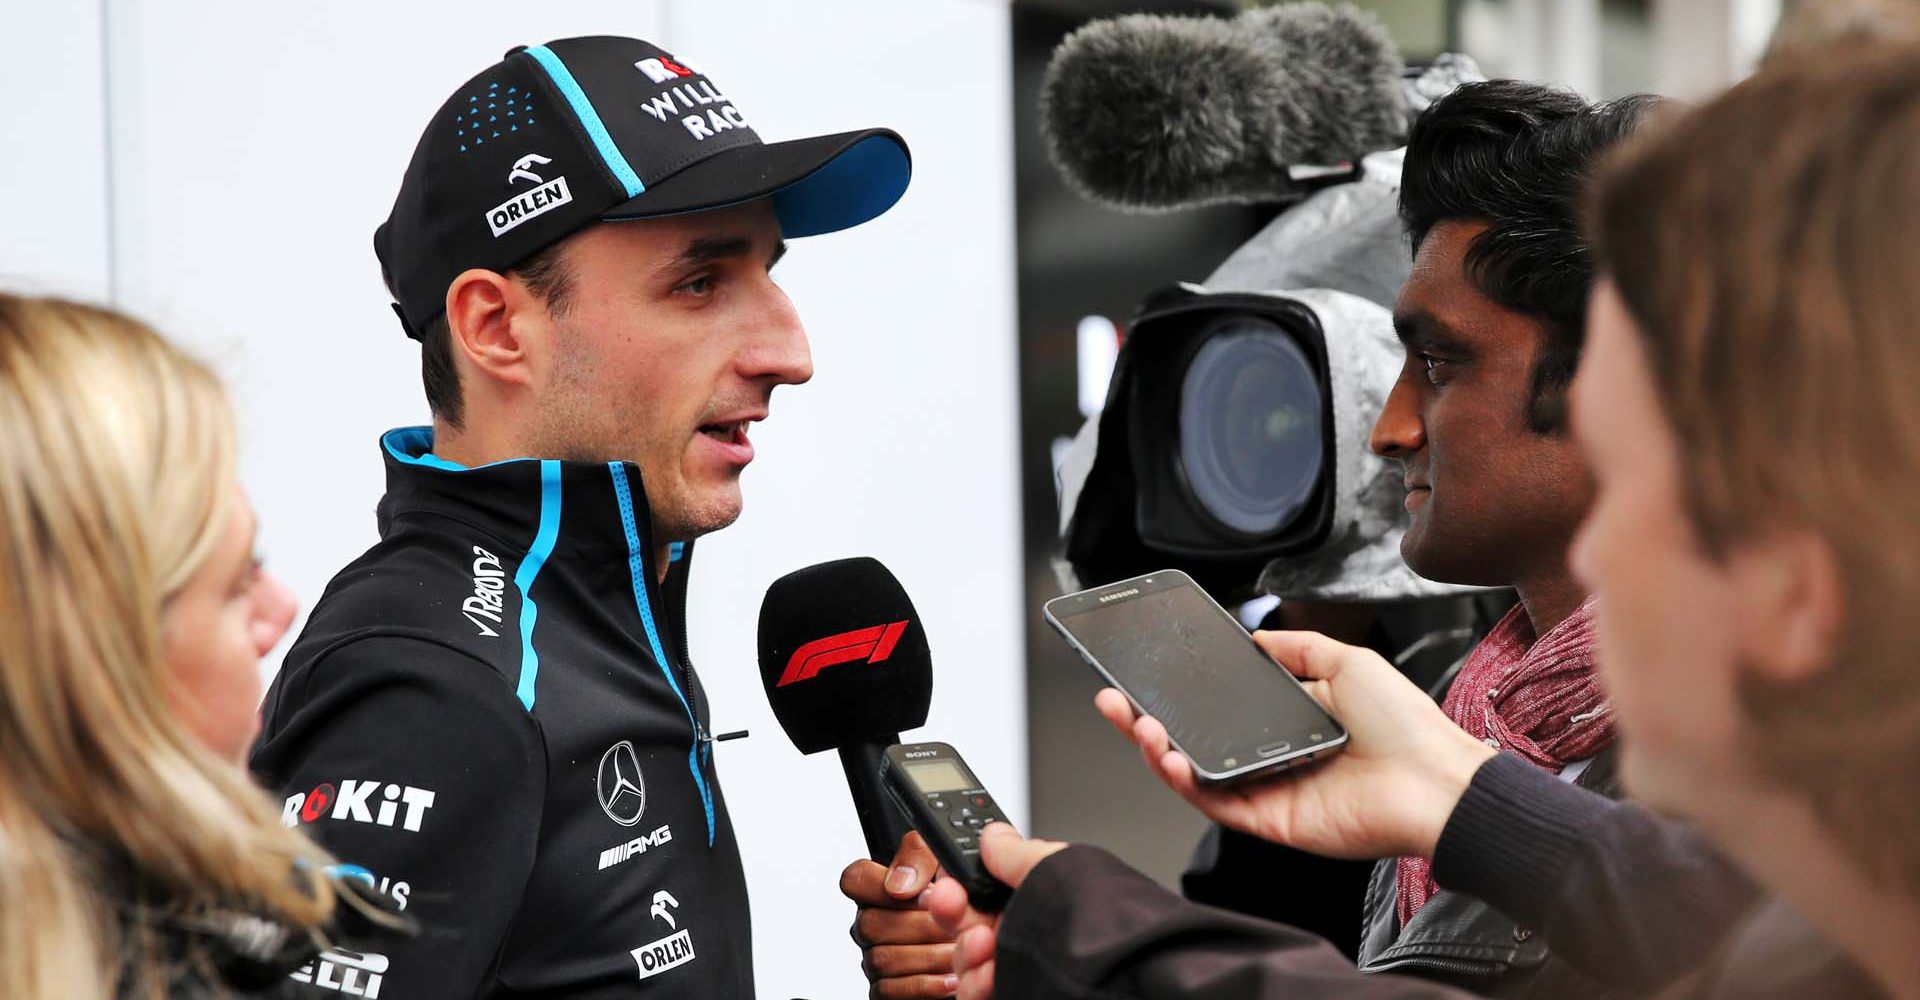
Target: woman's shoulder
(1776,954)
(194,950)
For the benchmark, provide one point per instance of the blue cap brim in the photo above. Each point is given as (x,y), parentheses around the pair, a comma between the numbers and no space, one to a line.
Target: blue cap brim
(818,185)
(859,184)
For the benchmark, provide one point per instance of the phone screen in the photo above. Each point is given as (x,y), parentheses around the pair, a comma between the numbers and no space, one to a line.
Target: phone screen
(1187,663)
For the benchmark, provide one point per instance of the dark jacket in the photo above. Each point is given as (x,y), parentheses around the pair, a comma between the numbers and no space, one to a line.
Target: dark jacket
(492,714)
(1455,938)
(1428,640)
(1615,890)
(1458,938)
(227,953)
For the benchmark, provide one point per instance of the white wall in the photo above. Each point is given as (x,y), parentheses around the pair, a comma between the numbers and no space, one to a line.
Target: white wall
(53,168)
(253,149)
(1701,47)
(912,321)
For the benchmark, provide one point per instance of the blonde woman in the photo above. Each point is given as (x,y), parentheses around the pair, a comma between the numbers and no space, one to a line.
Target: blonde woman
(137,859)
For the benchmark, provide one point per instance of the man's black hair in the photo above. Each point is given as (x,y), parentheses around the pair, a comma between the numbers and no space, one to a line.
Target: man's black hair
(1517,156)
(546,275)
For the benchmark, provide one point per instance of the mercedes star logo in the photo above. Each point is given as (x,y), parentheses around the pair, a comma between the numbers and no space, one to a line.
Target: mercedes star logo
(623,795)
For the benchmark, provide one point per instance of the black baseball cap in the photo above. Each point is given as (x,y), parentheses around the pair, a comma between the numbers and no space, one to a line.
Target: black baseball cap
(554,137)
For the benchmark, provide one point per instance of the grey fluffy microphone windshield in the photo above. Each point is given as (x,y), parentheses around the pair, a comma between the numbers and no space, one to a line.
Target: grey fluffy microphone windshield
(1155,113)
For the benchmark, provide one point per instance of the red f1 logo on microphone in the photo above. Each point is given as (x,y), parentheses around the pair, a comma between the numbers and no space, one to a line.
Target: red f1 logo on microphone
(870,644)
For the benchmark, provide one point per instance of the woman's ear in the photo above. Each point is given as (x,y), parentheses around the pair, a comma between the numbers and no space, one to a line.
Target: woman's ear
(481,307)
(1791,603)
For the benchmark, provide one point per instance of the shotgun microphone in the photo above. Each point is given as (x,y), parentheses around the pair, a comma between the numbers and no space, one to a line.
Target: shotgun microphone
(844,661)
(1151,113)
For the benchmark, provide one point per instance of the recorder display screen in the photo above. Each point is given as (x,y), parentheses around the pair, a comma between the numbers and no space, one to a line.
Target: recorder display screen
(939,776)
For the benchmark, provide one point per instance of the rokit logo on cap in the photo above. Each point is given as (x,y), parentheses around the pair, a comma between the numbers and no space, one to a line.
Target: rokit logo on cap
(702,110)
(664,69)
(543,197)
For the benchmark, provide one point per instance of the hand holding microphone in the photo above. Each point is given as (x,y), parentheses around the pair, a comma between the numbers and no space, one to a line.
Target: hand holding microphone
(846,667)
(845,664)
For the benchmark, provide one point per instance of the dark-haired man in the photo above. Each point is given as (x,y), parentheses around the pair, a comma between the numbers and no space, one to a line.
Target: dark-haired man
(1491,317)
(491,714)
(1492,320)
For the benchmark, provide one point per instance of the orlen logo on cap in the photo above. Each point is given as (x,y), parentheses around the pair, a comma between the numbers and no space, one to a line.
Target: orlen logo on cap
(873,644)
(543,197)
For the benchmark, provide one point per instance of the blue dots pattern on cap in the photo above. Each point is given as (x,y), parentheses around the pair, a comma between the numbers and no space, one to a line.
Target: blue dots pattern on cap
(518,105)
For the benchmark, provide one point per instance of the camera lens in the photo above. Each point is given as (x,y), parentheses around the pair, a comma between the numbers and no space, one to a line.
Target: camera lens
(1251,440)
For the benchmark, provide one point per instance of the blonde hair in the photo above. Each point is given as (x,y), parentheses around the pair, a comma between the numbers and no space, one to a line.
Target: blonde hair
(1764,245)
(116,468)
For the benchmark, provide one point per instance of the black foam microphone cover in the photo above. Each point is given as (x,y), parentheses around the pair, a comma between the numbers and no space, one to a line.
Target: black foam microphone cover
(843,656)
(1152,113)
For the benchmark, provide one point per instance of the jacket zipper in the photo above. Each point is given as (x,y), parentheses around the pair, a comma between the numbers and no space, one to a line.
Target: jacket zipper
(676,619)
(651,595)
(684,661)
(1441,964)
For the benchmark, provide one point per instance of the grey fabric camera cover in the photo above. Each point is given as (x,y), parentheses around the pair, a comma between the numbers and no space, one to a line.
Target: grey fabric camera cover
(1341,252)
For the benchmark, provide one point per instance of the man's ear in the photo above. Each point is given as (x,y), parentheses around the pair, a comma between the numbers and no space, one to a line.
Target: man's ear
(1791,603)
(486,313)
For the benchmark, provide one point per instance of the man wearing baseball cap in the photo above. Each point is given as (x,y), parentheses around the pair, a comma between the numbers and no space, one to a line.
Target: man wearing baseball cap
(491,716)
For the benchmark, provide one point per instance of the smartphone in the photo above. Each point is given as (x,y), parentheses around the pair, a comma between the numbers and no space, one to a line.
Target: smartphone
(1181,658)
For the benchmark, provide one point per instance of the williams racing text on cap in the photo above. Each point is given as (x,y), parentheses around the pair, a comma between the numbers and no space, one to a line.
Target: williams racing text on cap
(557,136)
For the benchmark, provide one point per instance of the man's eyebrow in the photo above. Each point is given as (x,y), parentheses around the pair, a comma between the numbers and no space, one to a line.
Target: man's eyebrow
(1423,329)
(707,249)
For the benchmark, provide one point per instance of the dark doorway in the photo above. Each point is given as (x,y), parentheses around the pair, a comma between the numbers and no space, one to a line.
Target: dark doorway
(1078,259)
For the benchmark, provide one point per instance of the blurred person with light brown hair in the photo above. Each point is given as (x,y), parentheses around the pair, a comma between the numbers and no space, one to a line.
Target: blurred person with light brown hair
(1755,398)
(1821,24)
(1749,404)
(137,858)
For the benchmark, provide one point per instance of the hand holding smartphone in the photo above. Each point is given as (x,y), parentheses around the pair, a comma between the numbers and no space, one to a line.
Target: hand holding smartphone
(1181,658)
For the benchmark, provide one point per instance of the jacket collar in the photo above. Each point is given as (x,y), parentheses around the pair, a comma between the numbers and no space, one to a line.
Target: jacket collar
(555,507)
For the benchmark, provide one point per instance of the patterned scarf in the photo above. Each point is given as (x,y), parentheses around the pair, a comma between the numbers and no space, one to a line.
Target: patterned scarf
(1539,700)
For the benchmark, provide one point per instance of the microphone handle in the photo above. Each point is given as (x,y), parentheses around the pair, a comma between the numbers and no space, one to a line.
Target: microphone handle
(880,820)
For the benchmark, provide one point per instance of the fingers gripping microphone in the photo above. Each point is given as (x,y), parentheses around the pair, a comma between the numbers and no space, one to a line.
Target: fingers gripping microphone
(845,664)
(1154,113)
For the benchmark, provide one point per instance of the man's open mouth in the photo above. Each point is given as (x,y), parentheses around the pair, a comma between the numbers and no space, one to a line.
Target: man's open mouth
(731,432)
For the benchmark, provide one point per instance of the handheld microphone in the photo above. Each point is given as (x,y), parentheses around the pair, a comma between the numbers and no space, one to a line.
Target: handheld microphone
(845,665)
(1155,113)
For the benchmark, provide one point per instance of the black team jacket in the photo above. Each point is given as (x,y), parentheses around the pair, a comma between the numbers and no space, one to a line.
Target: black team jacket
(491,717)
